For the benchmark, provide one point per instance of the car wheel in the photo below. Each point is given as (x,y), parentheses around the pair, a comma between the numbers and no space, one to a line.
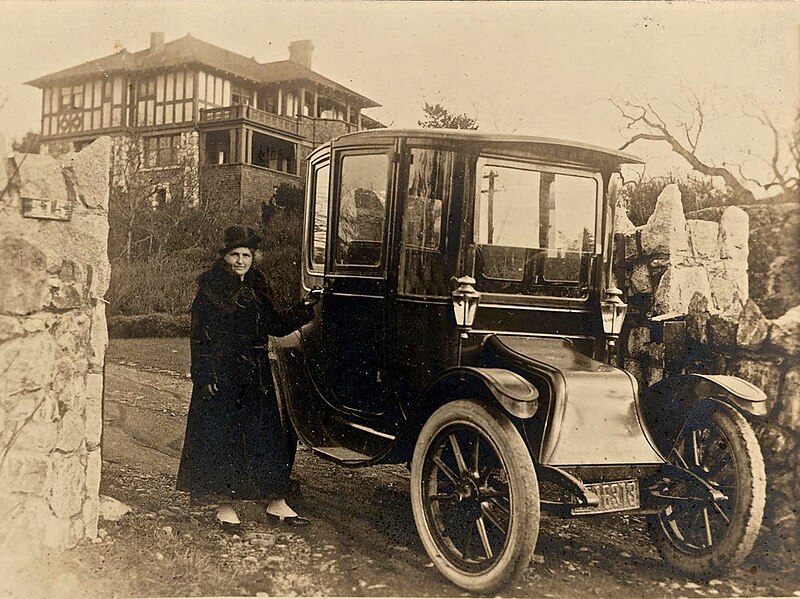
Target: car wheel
(475,496)
(700,537)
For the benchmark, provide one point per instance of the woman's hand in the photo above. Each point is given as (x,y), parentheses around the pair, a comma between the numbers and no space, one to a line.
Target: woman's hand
(212,389)
(313,296)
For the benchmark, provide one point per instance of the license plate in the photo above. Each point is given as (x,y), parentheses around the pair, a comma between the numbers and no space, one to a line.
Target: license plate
(614,496)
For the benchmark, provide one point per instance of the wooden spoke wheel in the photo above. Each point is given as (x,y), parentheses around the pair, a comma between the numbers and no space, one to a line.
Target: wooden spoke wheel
(694,533)
(475,496)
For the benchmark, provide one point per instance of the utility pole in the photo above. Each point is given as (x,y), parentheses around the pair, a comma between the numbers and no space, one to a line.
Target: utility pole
(491,175)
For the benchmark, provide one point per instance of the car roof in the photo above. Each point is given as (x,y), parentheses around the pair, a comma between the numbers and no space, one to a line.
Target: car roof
(560,149)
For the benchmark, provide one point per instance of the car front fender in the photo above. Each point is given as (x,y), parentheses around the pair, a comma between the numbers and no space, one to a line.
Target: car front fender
(668,403)
(515,394)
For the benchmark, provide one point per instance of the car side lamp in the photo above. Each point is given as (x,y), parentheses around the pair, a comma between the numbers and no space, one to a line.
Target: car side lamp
(613,311)
(465,303)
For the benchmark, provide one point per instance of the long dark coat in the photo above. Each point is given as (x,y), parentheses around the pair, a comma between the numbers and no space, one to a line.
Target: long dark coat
(235,444)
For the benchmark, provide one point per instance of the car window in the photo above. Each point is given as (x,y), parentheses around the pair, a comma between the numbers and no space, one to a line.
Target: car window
(422,259)
(535,229)
(319,231)
(363,186)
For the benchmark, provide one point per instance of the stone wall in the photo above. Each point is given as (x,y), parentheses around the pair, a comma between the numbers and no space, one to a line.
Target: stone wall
(687,287)
(774,253)
(53,337)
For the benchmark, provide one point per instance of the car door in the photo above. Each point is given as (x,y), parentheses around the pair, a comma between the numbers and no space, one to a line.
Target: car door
(355,281)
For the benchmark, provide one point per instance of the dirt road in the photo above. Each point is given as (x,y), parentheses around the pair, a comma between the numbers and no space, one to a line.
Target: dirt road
(363,541)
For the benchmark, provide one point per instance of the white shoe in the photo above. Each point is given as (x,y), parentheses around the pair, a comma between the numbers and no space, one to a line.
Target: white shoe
(279,509)
(228,518)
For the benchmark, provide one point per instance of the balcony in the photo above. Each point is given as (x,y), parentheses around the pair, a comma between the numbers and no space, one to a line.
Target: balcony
(317,131)
(241,112)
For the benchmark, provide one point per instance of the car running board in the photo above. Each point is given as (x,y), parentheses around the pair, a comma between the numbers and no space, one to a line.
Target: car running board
(342,454)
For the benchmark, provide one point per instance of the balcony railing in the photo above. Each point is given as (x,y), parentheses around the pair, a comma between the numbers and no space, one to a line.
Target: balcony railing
(248,113)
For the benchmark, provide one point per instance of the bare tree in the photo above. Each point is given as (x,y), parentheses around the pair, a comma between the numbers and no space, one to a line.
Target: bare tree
(154,201)
(785,160)
(644,123)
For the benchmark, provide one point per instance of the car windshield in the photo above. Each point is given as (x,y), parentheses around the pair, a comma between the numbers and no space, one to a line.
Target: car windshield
(535,228)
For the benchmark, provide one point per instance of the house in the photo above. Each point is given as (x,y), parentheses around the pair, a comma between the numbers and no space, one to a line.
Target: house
(189,115)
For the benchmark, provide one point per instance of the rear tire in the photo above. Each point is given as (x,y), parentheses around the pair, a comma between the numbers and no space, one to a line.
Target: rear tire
(475,496)
(702,537)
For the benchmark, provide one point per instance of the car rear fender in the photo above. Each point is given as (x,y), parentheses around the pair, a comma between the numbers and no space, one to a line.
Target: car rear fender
(667,404)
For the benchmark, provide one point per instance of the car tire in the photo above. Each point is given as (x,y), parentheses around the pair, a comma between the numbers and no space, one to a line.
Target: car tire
(702,539)
(475,496)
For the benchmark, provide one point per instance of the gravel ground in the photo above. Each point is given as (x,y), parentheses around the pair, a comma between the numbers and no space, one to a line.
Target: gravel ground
(362,541)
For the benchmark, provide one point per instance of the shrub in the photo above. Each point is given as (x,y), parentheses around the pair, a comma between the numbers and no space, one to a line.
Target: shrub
(280,263)
(149,325)
(639,197)
(162,284)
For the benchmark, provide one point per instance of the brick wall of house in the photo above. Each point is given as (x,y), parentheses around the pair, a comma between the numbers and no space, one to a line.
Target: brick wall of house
(258,184)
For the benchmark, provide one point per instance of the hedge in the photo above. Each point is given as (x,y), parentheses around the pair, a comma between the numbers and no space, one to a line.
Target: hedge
(149,325)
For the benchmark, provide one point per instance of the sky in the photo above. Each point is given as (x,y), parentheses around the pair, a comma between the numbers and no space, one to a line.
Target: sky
(541,68)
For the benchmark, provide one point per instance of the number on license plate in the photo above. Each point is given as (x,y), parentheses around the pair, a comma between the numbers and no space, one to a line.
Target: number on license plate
(614,496)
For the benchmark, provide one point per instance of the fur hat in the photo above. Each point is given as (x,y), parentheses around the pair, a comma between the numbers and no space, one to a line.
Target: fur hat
(240,237)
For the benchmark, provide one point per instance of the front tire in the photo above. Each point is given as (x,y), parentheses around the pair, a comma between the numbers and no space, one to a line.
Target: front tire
(700,537)
(475,496)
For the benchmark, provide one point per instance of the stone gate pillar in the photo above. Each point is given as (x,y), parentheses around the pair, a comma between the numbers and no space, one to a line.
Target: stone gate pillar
(54,272)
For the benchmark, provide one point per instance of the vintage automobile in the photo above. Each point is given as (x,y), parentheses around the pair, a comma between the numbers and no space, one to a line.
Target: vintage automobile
(466,327)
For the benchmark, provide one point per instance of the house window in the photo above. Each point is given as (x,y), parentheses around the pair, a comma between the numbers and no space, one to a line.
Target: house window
(160,196)
(71,97)
(241,95)
(162,150)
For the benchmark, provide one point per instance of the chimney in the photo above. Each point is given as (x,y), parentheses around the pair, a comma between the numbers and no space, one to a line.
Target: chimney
(156,41)
(301,51)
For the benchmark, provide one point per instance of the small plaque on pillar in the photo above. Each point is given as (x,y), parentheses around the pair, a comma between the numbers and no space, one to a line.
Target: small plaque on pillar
(48,209)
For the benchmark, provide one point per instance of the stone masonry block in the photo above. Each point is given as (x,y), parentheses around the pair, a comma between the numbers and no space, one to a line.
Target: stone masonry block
(3,162)
(753,327)
(785,332)
(91,168)
(623,224)
(40,177)
(638,339)
(68,484)
(665,231)
(27,472)
(91,502)
(94,409)
(697,317)
(10,327)
(734,229)
(66,297)
(99,338)
(763,374)
(27,367)
(640,280)
(631,246)
(24,267)
(677,287)
(703,236)
(71,431)
(38,437)
(723,326)
(789,407)
(727,284)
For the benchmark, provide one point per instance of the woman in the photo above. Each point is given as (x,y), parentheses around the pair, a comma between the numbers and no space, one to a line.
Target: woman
(235,445)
